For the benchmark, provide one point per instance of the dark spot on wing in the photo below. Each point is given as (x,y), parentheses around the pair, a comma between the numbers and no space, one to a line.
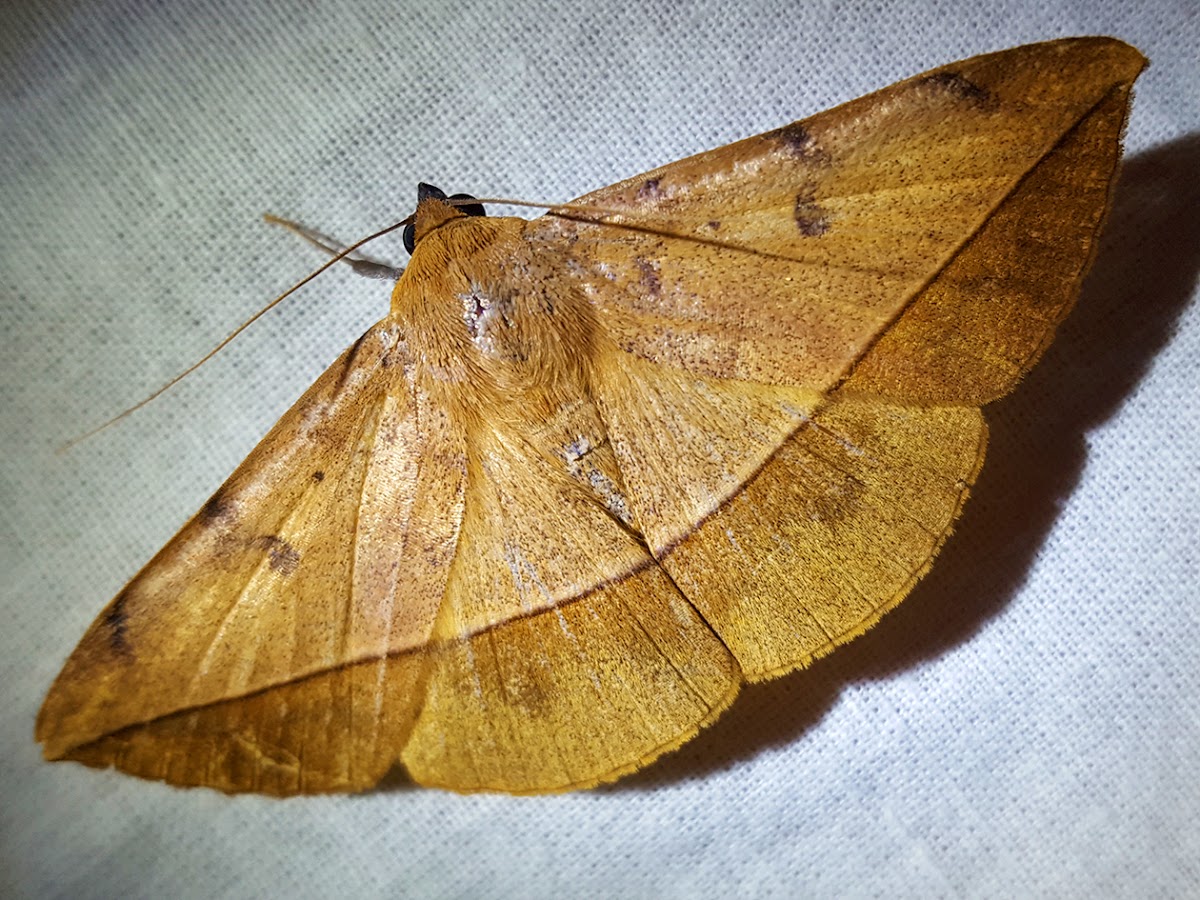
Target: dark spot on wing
(959,87)
(797,141)
(523,689)
(318,475)
(116,620)
(217,509)
(811,218)
(714,224)
(282,556)
(648,276)
(840,497)
(649,190)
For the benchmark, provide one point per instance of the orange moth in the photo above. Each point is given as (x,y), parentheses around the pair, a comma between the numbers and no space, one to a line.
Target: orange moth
(594,471)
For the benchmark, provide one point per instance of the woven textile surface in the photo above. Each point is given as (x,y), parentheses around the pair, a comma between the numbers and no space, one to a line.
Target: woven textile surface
(1027,723)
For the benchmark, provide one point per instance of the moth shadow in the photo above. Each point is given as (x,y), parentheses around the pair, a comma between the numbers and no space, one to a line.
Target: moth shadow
(1144,274)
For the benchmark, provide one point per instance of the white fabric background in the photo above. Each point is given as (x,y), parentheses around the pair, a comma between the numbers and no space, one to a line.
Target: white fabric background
(1025,724)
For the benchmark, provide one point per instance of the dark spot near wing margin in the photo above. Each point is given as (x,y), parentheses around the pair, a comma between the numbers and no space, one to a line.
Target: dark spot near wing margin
(351,354)
(959,87)
(216,509)
(116,621)
(799,142)
(649,190)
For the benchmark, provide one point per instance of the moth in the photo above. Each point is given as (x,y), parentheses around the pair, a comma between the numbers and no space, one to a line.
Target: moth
(595,470)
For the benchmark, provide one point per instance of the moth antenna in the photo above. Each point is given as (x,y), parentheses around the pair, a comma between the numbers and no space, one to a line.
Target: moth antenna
(359,262)
(338,257)
(553,208)
(597,215)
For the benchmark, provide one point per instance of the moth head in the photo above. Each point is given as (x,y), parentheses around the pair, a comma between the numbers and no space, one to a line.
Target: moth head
(433,211)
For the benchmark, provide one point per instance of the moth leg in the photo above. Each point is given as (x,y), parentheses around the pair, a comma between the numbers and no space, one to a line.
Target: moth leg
(361,263)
